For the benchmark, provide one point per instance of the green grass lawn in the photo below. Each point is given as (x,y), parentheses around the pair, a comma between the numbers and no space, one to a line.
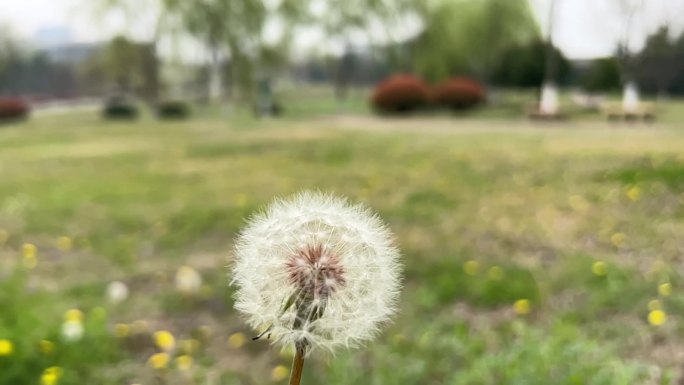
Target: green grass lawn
(533,254)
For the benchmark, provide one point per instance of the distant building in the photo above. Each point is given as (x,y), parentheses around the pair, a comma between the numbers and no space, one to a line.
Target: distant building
(73,53)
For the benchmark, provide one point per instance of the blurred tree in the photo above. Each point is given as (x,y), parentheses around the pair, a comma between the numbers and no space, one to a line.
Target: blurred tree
(470,36)
(126,66)
(603,76)
(10,56)
(122,62)
(661,60)
(524,66)
(628,12)
(345,22)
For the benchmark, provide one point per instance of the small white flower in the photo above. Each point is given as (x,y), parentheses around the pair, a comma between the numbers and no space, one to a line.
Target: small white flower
(72,330)
(117,292)
(188,280)
(316,271)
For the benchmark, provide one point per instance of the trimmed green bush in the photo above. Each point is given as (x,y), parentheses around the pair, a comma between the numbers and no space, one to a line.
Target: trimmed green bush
(120,108)
(173,109)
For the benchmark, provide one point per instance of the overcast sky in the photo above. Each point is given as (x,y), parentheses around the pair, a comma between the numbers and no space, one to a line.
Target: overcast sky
(583,28)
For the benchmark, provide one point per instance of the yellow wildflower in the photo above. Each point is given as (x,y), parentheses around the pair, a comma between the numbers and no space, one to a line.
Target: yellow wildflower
(51,375)
(46,347)
(159,360)
(578,203)
(279,373)
(495,273)
(618,239)
(184,362)
(205,331)
(665,289)
(599,268)
(73,315)
(657,317)
(48,379)
(164,340)
(633,193)
(522,306)
(64,243)
(139,326)
(29,250)
(236,340)
(471,267)
(122,330)
(6,348)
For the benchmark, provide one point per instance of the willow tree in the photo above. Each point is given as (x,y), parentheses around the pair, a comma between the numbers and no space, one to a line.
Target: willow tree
(470,35)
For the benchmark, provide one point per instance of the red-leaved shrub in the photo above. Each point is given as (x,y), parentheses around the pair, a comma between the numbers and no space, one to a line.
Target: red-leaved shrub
(459,94)
(399,94)
(13,109)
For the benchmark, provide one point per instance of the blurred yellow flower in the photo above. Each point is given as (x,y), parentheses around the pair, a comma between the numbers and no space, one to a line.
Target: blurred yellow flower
(188,280)
(29,250)
(599,268)
(578,203)
(205,331)
(189,346)
(6,347)
(4,236)
(522,306)
(164,340)
(73,315)
(654,304)
(56,370)
(159,360)
(657,317)
(665,289)
(279,373)
(184,362)
(633,193)
(51,375)
(139,326)
(48,379)
(236,340)
(46,347)
(618,239)
(122,330)
(64,243)
(471,267)
(495,273)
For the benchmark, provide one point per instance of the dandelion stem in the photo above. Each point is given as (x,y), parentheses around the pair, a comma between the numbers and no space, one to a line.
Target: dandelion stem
(297,365)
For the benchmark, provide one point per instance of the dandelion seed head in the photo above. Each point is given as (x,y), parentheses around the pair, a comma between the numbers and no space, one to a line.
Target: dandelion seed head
(317,269)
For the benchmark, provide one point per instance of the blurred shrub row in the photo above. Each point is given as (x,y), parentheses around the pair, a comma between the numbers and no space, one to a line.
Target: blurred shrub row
(119,107)
(407,93)
(13,109)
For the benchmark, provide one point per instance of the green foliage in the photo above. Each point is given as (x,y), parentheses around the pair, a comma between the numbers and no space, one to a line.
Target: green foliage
(173,110)
(120,108)
(603,75)
(524,66)
(470,36)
